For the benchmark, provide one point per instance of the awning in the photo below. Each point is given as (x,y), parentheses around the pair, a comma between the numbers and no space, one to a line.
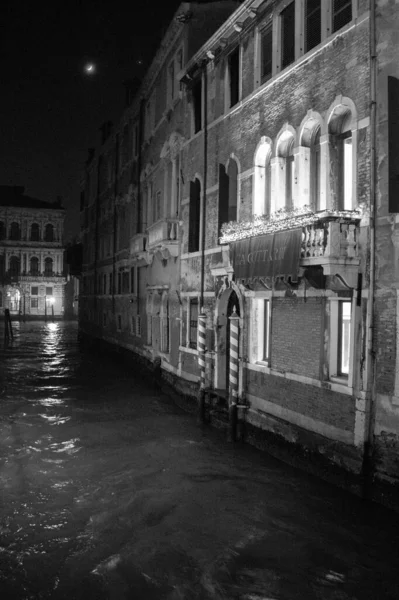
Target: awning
(267,256)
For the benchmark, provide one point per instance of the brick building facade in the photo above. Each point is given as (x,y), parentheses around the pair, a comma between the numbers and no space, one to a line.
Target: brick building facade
(258,192)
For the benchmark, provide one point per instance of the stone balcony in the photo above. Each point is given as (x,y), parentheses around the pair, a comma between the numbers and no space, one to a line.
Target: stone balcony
(163,237)
(138,245)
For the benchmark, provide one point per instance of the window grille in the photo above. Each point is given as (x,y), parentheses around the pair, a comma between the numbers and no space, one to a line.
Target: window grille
(312,23)
(342,13)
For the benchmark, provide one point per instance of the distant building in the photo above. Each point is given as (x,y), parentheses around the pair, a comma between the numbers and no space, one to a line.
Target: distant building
(31,255)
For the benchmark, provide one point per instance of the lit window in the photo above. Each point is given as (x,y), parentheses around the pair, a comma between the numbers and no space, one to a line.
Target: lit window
(261,330)
(340,339)
(344,334)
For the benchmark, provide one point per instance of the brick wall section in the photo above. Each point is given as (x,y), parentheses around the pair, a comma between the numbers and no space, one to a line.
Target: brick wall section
(320,404)
(385,341)
(296,335)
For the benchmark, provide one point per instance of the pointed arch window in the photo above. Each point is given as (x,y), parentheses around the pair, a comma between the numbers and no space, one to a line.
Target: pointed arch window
(315,171)
(228,191)
(342,158)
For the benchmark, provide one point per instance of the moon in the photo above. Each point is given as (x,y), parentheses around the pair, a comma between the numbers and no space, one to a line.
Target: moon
(90,68)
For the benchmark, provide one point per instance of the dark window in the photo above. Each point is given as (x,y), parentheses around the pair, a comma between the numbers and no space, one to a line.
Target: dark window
(194,216)
(125,282)
(197,105)
(2,231)
(342,13)
(14,266)
(132,281)
(119,282)
(289,186)
(48,267)
(223,197)
(266,53)
(2,266)
(393,143)
(34,266)
(49,233)
(193,322)
(232,173)
(315,169)
(111,291)
(49,291)
(119,322)
(234,76)
(15,232)
(312,24)
(288,35)
(266,330)
(35,232)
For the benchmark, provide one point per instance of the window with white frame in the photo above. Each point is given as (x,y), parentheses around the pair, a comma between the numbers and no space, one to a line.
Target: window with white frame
(260,330)
(315,171)
(262,179)
(340,338)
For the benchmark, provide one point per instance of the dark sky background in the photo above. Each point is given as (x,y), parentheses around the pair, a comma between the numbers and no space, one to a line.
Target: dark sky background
(50,110)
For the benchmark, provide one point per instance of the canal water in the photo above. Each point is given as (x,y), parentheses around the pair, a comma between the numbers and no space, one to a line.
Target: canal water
(109,491)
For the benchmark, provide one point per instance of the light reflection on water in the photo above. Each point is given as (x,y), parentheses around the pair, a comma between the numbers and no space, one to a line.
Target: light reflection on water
(127,498)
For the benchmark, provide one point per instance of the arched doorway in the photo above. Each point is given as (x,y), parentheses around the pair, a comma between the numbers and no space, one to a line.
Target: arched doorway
(228,303)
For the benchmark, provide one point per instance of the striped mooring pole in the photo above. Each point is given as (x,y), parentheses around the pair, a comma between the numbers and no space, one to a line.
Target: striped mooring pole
(233,374)
(201,364)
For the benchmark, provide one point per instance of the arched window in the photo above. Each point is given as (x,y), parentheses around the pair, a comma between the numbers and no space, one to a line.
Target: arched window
(49,233)
(315,172)
(283,171)
(342,158)
(15,231)
(34,266)
(14,266)
(35,232)
(48,267)
(262,179)
(286,151)
(194,216)
(2,230)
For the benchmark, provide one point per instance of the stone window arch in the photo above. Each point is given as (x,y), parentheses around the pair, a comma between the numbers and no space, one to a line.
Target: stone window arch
(262,178)
(15,231)
(35,232)
(49,233)
(342,130)
(34,266)
(283,171)
(48,267)
(15,266)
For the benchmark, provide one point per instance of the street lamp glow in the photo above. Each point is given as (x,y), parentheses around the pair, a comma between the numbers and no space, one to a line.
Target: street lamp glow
(51,299)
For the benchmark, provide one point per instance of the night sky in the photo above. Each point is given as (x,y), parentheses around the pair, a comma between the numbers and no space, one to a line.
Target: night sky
(51,110)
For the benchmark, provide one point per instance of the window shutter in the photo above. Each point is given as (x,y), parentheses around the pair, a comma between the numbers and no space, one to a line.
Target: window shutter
(393,143)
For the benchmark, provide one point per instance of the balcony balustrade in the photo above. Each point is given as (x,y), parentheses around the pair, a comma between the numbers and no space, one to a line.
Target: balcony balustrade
(163,236)
(329,239)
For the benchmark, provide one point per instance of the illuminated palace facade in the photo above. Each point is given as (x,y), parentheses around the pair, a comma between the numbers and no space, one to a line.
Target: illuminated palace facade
(250,192)
(31,255)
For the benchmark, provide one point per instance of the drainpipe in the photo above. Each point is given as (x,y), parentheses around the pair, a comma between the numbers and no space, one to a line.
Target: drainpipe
(371,365)
(202,316)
